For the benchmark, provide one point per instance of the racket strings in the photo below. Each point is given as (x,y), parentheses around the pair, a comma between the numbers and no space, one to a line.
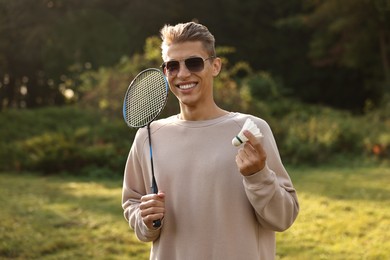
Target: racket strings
(145,98)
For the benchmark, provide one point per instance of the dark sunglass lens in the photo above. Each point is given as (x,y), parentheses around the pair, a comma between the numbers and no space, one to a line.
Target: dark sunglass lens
(194,64)
(172,65)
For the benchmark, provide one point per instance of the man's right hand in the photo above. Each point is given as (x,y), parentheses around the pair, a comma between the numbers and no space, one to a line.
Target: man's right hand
(152,208)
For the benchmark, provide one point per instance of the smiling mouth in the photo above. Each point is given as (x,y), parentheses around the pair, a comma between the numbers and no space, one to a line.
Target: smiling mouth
(186,86)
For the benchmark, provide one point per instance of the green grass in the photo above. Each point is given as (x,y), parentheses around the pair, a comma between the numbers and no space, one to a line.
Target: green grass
(345,214)
(64,218)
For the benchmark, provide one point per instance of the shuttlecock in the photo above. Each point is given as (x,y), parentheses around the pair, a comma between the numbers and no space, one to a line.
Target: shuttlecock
(250,126)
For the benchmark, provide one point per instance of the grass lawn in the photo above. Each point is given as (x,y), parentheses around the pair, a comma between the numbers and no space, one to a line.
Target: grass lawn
(345,214)
(64,218)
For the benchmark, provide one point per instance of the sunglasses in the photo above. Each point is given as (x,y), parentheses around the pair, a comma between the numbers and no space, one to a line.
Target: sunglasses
(193,64)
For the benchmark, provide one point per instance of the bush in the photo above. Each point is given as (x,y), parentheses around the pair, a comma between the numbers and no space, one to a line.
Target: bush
(318,137)
(315,134)
(377,140)
(55,152)
(78,143)
(82,142)
(264,87)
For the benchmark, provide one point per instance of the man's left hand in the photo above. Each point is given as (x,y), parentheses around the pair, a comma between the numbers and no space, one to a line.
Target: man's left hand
(251,157)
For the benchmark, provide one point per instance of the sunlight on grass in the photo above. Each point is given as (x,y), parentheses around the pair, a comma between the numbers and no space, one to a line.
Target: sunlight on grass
(54,218)
(345,214)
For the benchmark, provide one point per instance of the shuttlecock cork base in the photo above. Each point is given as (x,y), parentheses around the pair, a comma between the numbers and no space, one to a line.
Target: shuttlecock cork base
(251,127)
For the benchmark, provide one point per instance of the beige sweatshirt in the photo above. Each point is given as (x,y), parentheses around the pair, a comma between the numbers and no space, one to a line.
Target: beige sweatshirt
(212,211)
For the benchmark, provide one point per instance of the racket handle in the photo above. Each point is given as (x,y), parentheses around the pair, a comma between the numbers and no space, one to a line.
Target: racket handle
(156,223)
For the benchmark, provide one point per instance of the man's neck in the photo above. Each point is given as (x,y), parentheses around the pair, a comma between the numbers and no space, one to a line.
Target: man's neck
(199,114)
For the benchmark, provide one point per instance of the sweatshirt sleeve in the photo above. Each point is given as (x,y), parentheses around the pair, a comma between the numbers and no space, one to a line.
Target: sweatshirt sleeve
(136,184)
(270,191)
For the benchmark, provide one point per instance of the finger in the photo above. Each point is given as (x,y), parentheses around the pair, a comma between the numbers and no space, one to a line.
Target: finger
(148,197)
(149,220)
(161,195)
(151,203)
(254,141)
(252,155)
(247,154)
(152,207)
(152,211)
(251,138)
(244,156)
(242,153)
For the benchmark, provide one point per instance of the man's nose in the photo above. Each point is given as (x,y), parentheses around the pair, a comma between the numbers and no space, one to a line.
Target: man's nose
(183,70)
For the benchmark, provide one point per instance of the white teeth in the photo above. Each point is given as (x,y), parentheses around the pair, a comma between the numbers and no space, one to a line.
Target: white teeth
(187,86)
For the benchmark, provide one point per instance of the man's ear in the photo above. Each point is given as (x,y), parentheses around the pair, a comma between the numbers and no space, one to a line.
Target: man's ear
(217,66)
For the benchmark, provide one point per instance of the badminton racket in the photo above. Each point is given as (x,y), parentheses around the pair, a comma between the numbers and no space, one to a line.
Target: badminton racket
(144,100)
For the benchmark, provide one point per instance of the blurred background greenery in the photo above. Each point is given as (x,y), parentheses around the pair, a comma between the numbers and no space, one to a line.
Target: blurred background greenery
(318,71)
(330,52)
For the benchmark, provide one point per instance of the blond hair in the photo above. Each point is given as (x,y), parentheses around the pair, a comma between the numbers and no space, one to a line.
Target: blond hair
(184,32)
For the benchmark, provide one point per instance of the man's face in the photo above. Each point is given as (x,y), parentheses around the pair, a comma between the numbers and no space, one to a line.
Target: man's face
(191,88)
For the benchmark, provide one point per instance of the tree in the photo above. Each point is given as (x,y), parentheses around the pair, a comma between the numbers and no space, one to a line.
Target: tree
(22,27)
(354,36)
(323,50)
(44,44)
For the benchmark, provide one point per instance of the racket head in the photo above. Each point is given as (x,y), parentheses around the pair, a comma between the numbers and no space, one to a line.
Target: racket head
(145,98)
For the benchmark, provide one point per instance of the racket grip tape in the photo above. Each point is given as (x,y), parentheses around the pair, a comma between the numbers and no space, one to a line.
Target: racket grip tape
(156,223)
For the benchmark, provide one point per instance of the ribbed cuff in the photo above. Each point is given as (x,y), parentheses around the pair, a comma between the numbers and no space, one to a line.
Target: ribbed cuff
(264,177)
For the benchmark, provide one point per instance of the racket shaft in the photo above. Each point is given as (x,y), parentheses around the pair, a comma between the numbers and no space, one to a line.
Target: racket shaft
(154,188)
(156,223)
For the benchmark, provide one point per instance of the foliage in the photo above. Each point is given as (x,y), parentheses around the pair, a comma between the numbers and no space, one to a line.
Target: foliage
(343,35)
(264,87)
(348,47)
(84,142)
(46,43)
(104,88)
(64,140)
(313,134)
(89,137)
(311,46)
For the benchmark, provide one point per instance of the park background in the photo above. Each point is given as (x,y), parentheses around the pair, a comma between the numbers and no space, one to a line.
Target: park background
(317,71)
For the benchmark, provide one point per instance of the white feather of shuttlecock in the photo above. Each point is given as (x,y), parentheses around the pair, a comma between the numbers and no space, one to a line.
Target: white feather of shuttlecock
(250,126)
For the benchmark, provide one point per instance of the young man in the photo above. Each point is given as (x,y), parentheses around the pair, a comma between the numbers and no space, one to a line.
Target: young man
(216,201)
